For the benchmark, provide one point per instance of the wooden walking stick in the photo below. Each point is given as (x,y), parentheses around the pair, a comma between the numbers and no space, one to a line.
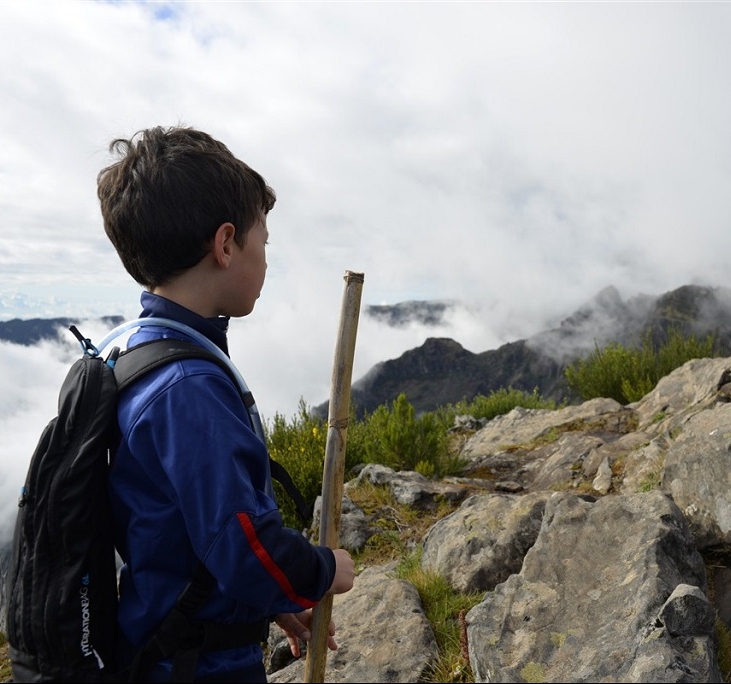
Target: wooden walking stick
(334,466)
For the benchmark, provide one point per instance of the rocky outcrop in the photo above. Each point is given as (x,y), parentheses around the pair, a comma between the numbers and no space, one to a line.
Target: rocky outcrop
(382,633)
(593,597)
(599,534)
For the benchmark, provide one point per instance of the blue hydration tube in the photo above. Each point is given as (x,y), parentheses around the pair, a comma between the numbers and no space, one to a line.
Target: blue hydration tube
(204,342)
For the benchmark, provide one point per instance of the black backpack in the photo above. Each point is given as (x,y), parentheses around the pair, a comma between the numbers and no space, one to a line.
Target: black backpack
(62,580)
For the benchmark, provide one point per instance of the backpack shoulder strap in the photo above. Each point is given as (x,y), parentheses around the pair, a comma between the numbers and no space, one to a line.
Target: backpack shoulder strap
(132,364)
(139,360)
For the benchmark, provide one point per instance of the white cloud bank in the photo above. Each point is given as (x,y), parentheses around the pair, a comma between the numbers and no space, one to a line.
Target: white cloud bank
(516,157)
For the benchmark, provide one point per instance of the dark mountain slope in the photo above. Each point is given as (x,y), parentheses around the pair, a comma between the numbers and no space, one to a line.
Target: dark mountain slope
(31,331)
(441,371)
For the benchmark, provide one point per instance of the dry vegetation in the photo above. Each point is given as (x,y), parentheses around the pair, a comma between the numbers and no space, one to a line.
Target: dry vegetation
(4,661)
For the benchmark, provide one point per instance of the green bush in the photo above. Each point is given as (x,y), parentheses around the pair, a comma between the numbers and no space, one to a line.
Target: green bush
(680,349)
(500,402)
(627,375)
(298,445)
(603,373)
(397,438)
(392,436)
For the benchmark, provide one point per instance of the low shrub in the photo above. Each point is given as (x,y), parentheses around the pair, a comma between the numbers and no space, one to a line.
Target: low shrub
(500,402)
(628,374)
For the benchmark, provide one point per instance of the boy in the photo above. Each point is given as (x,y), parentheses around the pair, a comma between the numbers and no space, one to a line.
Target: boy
(190,480)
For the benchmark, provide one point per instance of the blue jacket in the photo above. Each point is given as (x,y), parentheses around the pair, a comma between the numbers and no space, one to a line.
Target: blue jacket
(190,480)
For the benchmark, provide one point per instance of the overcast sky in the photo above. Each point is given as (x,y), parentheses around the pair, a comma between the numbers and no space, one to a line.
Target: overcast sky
(514,157)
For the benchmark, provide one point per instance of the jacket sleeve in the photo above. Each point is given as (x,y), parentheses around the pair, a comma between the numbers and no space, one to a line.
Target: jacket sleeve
(217,471)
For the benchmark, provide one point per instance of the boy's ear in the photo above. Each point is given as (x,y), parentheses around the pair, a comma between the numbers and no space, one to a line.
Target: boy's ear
(223,244)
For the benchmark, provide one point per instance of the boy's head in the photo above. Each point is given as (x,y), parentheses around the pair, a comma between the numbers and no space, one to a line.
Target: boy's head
(166,197)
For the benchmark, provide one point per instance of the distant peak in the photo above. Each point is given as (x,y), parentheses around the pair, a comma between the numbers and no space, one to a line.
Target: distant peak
(429,313)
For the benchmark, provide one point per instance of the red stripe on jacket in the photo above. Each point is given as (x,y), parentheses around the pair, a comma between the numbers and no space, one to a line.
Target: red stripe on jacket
(268,562)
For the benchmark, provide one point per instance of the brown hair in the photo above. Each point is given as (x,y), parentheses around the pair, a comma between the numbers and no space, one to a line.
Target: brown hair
(171,189)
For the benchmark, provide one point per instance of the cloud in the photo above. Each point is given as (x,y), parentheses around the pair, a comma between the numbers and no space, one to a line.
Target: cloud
(547,143)
(32,377)
(281,363)
(514,157)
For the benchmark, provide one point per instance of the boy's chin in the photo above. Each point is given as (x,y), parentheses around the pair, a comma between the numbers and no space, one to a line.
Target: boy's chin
(244,311)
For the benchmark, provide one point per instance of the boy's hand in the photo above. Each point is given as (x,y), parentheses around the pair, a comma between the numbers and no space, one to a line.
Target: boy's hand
(298,626)
(344,572)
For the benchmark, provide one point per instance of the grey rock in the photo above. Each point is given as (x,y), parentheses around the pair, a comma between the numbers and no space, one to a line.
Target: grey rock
(382,632)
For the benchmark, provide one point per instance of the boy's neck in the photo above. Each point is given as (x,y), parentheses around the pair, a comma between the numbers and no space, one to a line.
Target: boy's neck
(184,299)
(191,290)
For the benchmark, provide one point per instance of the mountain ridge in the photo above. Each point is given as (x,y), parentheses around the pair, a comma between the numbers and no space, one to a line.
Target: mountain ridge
(441,371)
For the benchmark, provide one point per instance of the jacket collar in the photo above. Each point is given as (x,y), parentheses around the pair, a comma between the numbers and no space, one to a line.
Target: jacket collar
(214,329)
